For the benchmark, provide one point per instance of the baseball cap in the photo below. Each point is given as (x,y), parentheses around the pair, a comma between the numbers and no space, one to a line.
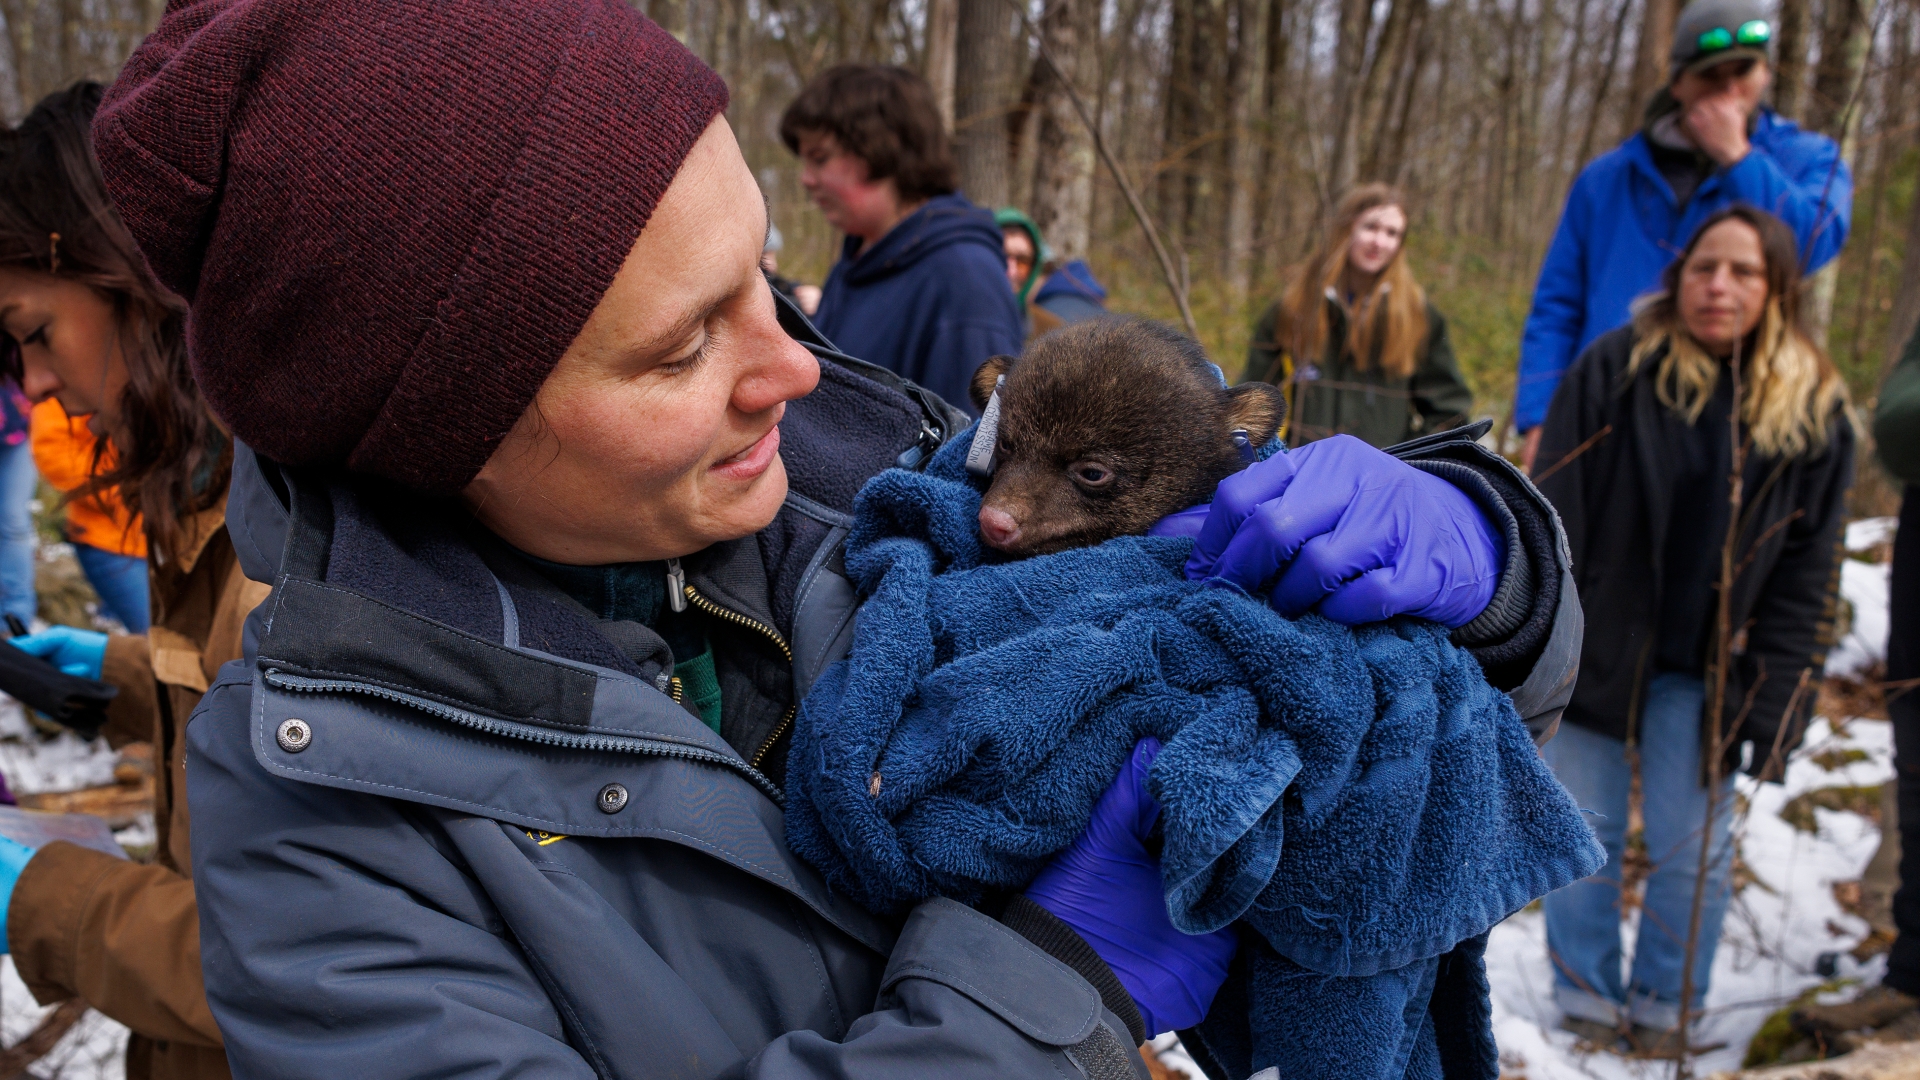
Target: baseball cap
(1712,32)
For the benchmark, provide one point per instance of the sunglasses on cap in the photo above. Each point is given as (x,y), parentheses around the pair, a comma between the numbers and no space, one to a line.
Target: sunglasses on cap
(1751,32)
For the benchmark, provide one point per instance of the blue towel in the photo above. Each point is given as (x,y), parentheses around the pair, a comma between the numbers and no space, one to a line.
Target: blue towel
(1359,797)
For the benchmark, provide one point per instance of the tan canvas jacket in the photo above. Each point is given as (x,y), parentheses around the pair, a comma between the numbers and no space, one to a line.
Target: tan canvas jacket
(123,936)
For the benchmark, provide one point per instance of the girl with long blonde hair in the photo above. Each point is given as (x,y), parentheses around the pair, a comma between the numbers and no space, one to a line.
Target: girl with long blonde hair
(1637,454)
(1353,339)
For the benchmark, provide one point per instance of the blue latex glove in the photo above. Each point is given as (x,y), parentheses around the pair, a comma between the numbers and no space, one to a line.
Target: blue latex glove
(13,859)
(1348,530)
(74,652)
(1107,887)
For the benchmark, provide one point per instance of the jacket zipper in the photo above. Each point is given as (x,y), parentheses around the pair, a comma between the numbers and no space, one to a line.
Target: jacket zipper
(680,594)
(630,744)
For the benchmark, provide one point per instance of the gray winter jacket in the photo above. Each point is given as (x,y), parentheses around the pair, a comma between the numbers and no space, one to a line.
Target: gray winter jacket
(447,825)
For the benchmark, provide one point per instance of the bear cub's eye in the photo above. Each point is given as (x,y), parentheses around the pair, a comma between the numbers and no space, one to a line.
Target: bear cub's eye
(1090,474)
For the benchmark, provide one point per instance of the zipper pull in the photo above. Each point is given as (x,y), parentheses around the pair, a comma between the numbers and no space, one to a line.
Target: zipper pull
(676,586)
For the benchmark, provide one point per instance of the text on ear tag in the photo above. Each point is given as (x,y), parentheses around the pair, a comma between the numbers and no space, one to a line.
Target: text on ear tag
(986,436)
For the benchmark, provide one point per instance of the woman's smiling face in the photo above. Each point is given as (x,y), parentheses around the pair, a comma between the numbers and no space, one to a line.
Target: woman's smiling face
(657,434)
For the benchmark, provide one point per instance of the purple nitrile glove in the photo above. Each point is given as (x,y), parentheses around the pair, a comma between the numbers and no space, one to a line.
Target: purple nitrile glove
(1351,531)
(1107,887)
(1182,523)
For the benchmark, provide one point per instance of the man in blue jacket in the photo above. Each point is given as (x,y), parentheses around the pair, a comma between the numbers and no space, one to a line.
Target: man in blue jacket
(1707,143)
(921,285)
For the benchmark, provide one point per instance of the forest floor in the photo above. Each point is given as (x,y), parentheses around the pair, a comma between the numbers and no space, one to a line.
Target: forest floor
(1785,915)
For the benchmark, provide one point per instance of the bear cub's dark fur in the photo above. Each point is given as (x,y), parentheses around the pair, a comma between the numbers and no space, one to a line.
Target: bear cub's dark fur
(1106,427)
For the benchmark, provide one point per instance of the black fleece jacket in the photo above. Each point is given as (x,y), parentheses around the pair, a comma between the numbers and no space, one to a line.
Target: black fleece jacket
(1602,462)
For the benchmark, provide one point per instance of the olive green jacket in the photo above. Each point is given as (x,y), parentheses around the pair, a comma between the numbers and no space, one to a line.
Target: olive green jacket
(1896,418)
(1334,397)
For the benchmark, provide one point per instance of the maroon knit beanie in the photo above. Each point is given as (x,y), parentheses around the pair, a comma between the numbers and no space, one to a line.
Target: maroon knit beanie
(391,219)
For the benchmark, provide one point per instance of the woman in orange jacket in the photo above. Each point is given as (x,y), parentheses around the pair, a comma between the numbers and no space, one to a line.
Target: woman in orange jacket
(108,539)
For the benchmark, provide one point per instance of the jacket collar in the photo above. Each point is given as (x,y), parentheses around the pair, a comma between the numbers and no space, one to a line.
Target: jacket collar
(944,220)
(471,714)
(199,531)
(1639,154)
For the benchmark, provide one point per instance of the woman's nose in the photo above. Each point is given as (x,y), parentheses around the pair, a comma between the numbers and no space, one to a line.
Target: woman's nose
(38,383)
(784,371)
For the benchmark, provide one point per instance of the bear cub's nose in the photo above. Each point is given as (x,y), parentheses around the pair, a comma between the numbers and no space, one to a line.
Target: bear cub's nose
(998,527)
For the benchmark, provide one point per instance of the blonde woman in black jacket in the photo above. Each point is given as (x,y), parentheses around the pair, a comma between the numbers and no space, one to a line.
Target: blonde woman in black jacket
(1637,457)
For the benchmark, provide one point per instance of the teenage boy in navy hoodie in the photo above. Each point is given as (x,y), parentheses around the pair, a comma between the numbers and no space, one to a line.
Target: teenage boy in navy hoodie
(921,285)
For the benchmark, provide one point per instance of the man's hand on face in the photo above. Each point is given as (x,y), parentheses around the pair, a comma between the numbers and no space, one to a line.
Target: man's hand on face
(1717,124)
(1716,105)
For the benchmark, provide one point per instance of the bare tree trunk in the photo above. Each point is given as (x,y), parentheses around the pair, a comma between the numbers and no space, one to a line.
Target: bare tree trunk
(1272,124)
(1063,153)
(1606,84)
(1349,58)
(1505,134)
(1243,148)
(670,14)
(1019,122)
(1527,173)
(1868,246)
(943,25)
(1790,58)
(1830,108)
(1843,48)
(982,91)
(1563,126)
(1892,87)
(1393,162)
(1650,58)
(1179,119)
(1213,72)
(1905,316)
(1388,59)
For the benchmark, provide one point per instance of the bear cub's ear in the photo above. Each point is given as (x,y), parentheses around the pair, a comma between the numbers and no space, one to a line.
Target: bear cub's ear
(984,379)
(1254,407)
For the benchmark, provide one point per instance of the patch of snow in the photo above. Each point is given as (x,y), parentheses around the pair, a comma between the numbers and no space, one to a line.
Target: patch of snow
(13,720)
(94,1049)
(1174,1056)
(1869,533)
(140,834)
(1865,588)
(1768,948)
(65,762)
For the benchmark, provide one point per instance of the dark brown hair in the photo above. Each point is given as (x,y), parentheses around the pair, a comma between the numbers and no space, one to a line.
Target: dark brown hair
(882,115)
(171,460)
(1392,320)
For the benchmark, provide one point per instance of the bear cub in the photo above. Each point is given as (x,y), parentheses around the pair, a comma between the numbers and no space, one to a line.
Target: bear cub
(1107,426)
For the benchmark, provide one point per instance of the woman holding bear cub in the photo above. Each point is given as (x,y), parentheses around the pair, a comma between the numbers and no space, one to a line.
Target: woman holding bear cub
(550,500)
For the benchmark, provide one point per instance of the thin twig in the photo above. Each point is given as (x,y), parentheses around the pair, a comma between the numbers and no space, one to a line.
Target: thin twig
(1575,452)
(1119,176)
(1716,715)
(1753,551)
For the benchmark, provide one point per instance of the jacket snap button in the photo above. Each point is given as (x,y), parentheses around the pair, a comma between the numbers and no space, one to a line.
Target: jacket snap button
(613,799)
(294,735)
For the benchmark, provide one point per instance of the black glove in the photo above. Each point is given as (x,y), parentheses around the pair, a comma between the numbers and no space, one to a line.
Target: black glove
(80,704)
